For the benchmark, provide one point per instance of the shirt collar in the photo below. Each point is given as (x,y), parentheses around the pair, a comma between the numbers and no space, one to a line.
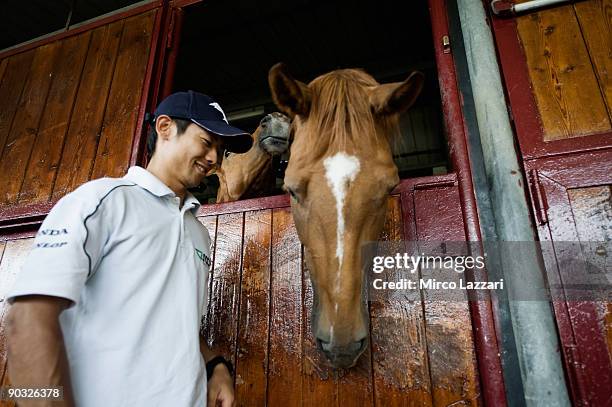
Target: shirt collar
(154,185)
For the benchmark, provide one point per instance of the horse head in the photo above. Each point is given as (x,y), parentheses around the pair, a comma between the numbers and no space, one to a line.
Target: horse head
(241,174)
(339,176)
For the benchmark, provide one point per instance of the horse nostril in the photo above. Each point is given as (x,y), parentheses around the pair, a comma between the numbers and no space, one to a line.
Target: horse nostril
(324,346)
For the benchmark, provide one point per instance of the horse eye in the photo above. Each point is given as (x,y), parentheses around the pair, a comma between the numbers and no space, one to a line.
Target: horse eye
(292,193)
(227,153)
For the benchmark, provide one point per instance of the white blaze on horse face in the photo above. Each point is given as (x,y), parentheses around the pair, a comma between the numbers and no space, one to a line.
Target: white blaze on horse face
(340,170)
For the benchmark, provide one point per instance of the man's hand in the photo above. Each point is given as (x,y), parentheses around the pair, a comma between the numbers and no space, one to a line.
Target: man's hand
(221,388)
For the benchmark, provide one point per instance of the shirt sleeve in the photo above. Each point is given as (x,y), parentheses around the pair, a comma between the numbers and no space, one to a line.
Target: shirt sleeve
(66,250)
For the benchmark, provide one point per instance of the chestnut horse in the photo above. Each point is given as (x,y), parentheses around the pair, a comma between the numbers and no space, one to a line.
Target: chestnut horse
(250,175)
(339,176)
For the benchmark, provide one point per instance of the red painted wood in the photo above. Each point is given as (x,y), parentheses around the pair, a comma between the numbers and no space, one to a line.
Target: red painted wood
(584,347)
(85,27)
(488,352)
(524,108)
(452,359)
(270,202)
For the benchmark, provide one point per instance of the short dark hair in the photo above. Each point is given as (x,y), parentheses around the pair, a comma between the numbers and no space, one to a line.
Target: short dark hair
(181,127)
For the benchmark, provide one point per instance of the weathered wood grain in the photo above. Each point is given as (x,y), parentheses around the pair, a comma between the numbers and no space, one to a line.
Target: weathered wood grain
(224,298)
(450,344)
(252,340)
(564,84)
(47,150)
(286,324)
(595,18)
(319,386)
(11,87)
(119,124)
(22,136)
(399,352)
(86,120)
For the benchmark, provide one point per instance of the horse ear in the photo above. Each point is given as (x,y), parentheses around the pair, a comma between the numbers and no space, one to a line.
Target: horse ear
(290,96)
(396,97)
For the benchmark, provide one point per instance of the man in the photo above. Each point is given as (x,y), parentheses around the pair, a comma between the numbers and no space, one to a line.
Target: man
(109,302)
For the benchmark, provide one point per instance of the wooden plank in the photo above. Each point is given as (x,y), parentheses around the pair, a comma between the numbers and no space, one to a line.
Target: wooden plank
(450,344)
(399,354)
(3,65)
(224,298)
(119,125)
(286,324)
(319,386)
(252,354)
(46,154)
(16,153)
(13,259)
(11,87)
(210,222)
(595,17)
(564,83)
(86,120)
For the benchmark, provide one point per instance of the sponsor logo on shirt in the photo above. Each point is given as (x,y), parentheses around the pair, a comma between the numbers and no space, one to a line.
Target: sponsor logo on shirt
(203,257)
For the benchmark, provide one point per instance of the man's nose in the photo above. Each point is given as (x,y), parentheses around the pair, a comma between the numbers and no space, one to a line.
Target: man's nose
(211,156)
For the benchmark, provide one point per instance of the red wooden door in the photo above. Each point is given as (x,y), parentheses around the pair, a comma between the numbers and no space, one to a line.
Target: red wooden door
(555,65)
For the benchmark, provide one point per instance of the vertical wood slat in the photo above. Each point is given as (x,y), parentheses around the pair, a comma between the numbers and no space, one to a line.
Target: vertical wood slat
(119,125)
(595,18)
(224,297)
(285,354)
(318,379)
(22,136)
(3,65)
(210,222)
(11,87)
(564,83)
(47,149)
(14,256)
(252,337)
(399,353)
(449,336)
(86,120)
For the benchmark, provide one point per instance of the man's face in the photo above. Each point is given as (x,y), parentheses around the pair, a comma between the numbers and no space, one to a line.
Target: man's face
(191,155)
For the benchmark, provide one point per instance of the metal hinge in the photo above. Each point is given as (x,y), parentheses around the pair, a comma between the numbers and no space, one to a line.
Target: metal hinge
(538,197)
(446,47)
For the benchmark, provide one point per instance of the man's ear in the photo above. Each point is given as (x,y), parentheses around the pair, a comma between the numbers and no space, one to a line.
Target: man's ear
(163,125)
(292,97)
(397,97)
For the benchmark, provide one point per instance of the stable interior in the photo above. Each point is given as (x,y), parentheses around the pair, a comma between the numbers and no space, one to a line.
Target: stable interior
(227,48)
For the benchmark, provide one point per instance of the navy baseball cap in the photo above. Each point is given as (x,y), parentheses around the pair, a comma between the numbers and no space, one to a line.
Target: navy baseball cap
(206,113)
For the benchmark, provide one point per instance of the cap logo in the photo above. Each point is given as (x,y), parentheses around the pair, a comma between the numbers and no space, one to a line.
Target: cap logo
(216,106)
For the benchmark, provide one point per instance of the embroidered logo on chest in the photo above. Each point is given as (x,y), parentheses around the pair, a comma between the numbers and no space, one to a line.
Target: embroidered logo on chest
(203,257)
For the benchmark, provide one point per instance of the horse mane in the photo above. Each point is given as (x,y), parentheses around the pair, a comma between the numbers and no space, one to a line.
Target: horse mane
(341,117)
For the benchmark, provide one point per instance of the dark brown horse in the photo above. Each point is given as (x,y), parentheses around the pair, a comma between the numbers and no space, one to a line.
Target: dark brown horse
(339,176)
(251,175)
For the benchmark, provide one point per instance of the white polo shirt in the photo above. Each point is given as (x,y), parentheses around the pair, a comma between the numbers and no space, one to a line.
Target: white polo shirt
(136,267)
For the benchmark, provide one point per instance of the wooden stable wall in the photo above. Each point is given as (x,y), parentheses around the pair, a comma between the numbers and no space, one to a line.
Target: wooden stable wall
(561,102)
(421,351)
(68,110)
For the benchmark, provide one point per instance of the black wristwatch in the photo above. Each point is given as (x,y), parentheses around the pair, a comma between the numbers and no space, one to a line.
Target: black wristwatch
(211,364)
